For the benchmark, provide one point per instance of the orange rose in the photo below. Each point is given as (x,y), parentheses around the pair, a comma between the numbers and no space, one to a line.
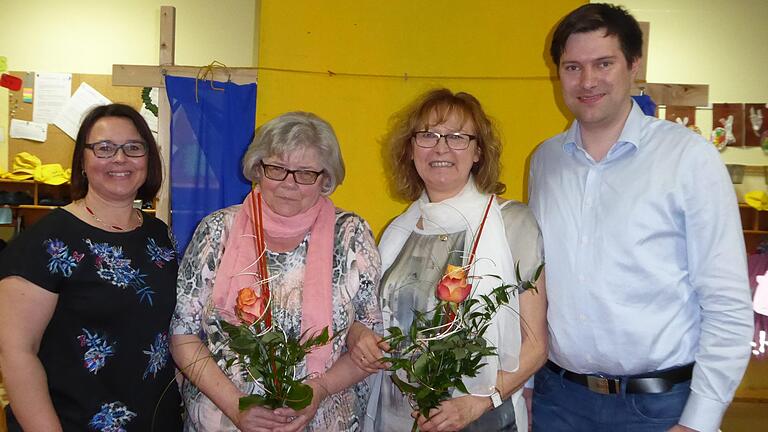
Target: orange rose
(250,306)
(453,286)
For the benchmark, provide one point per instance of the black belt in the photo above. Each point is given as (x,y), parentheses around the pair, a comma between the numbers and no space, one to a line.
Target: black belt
(653,382)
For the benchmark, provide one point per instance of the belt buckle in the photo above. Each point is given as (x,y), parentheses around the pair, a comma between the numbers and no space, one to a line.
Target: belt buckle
(599,384)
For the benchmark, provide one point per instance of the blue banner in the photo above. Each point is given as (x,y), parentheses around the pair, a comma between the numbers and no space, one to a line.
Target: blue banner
(210,130)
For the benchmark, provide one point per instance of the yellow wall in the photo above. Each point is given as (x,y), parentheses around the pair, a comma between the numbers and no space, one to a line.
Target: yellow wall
(495,50)
(88,36)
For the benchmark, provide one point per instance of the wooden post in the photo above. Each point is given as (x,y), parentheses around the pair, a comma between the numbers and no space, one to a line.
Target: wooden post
(154,76)
(167,58)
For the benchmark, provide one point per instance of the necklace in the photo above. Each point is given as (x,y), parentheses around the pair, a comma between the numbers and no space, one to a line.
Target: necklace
(139,217)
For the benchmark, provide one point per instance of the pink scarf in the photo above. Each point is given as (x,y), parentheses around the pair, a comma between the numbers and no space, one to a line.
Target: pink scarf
(238,268)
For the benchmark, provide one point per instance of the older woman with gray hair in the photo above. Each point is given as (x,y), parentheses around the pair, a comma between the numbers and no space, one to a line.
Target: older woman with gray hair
(324,270)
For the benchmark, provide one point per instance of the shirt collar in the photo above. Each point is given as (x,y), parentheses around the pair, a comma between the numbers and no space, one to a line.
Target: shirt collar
(629,135)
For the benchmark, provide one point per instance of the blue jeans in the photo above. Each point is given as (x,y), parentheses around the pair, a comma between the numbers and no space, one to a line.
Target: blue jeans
(562,405)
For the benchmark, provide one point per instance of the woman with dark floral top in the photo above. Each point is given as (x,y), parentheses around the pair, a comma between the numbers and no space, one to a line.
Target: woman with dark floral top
(87,293)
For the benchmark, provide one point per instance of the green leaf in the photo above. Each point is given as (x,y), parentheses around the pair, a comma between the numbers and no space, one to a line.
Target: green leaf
(420,364)
(242,344)
(459,384)
(402,385)
(423,392)
(460,353)
(272,337)
(255,372)
(251,400)
(299,396)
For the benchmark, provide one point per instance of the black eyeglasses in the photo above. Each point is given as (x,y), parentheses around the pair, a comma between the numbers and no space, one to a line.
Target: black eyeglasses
(278,173)
(455,141)
(108,149)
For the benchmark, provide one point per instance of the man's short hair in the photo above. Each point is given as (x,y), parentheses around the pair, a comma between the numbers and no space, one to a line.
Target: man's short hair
(595,16)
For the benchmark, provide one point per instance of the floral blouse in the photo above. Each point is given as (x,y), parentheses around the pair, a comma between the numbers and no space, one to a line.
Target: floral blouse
(356,273)
(105,350)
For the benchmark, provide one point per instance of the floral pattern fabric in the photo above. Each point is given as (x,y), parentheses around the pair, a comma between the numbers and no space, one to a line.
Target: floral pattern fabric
(105,351)
(356,272)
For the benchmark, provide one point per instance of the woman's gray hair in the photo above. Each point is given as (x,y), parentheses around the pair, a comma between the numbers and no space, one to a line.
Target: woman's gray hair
(295,131)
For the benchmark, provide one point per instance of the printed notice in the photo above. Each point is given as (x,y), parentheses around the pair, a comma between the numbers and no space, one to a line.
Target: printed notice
(29,130)
(76,107)
(52,90)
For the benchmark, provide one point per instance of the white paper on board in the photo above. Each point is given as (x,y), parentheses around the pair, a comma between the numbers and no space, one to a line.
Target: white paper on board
(51,93)
(76,107)
(29,130)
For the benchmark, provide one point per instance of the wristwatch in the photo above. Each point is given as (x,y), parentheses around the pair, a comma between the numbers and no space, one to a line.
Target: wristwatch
(496,399)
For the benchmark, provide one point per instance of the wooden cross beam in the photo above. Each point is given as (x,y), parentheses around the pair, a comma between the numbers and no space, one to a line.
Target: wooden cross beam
(154,76)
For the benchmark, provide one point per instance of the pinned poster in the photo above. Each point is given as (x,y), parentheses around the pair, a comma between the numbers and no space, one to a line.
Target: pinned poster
(3,63)
(76,107)
(52,90)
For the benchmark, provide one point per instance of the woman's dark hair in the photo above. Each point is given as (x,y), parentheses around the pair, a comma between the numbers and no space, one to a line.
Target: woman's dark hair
(79,182)
(590,17)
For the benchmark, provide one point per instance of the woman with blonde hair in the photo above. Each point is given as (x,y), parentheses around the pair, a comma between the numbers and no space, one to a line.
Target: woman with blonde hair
(444,156)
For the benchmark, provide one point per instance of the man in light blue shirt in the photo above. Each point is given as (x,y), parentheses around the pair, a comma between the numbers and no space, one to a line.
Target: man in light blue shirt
(649,307)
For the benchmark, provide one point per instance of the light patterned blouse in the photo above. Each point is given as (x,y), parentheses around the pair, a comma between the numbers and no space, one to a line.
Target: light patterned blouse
(356,273)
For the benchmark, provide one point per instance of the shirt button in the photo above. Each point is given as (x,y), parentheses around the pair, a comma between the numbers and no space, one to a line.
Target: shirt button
(584,239)
(581,278)
(588,202)
(582,317)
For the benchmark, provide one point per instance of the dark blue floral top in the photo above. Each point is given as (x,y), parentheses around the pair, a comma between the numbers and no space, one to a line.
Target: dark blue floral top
(106,348)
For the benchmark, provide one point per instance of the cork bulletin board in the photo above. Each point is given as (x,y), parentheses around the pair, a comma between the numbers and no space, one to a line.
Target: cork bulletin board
(58,146)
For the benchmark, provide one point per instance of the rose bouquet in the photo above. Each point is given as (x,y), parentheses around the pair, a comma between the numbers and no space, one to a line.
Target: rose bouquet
(446,344)
(268,355)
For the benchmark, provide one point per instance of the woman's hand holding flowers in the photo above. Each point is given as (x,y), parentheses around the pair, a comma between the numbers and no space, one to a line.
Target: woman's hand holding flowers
(298,420)
(453,414)
(366,348)
(256,419)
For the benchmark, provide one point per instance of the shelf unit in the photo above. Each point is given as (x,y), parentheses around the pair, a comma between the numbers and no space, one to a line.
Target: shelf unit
(27,214)
(754,386)
(754,223)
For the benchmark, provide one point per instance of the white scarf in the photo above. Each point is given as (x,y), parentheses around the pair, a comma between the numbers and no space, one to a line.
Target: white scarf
(464,212)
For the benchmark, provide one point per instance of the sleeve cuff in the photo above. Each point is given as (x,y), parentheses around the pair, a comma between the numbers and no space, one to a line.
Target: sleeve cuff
(702,414)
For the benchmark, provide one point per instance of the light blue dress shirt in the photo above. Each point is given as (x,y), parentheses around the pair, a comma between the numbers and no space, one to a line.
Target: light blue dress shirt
(645,260)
